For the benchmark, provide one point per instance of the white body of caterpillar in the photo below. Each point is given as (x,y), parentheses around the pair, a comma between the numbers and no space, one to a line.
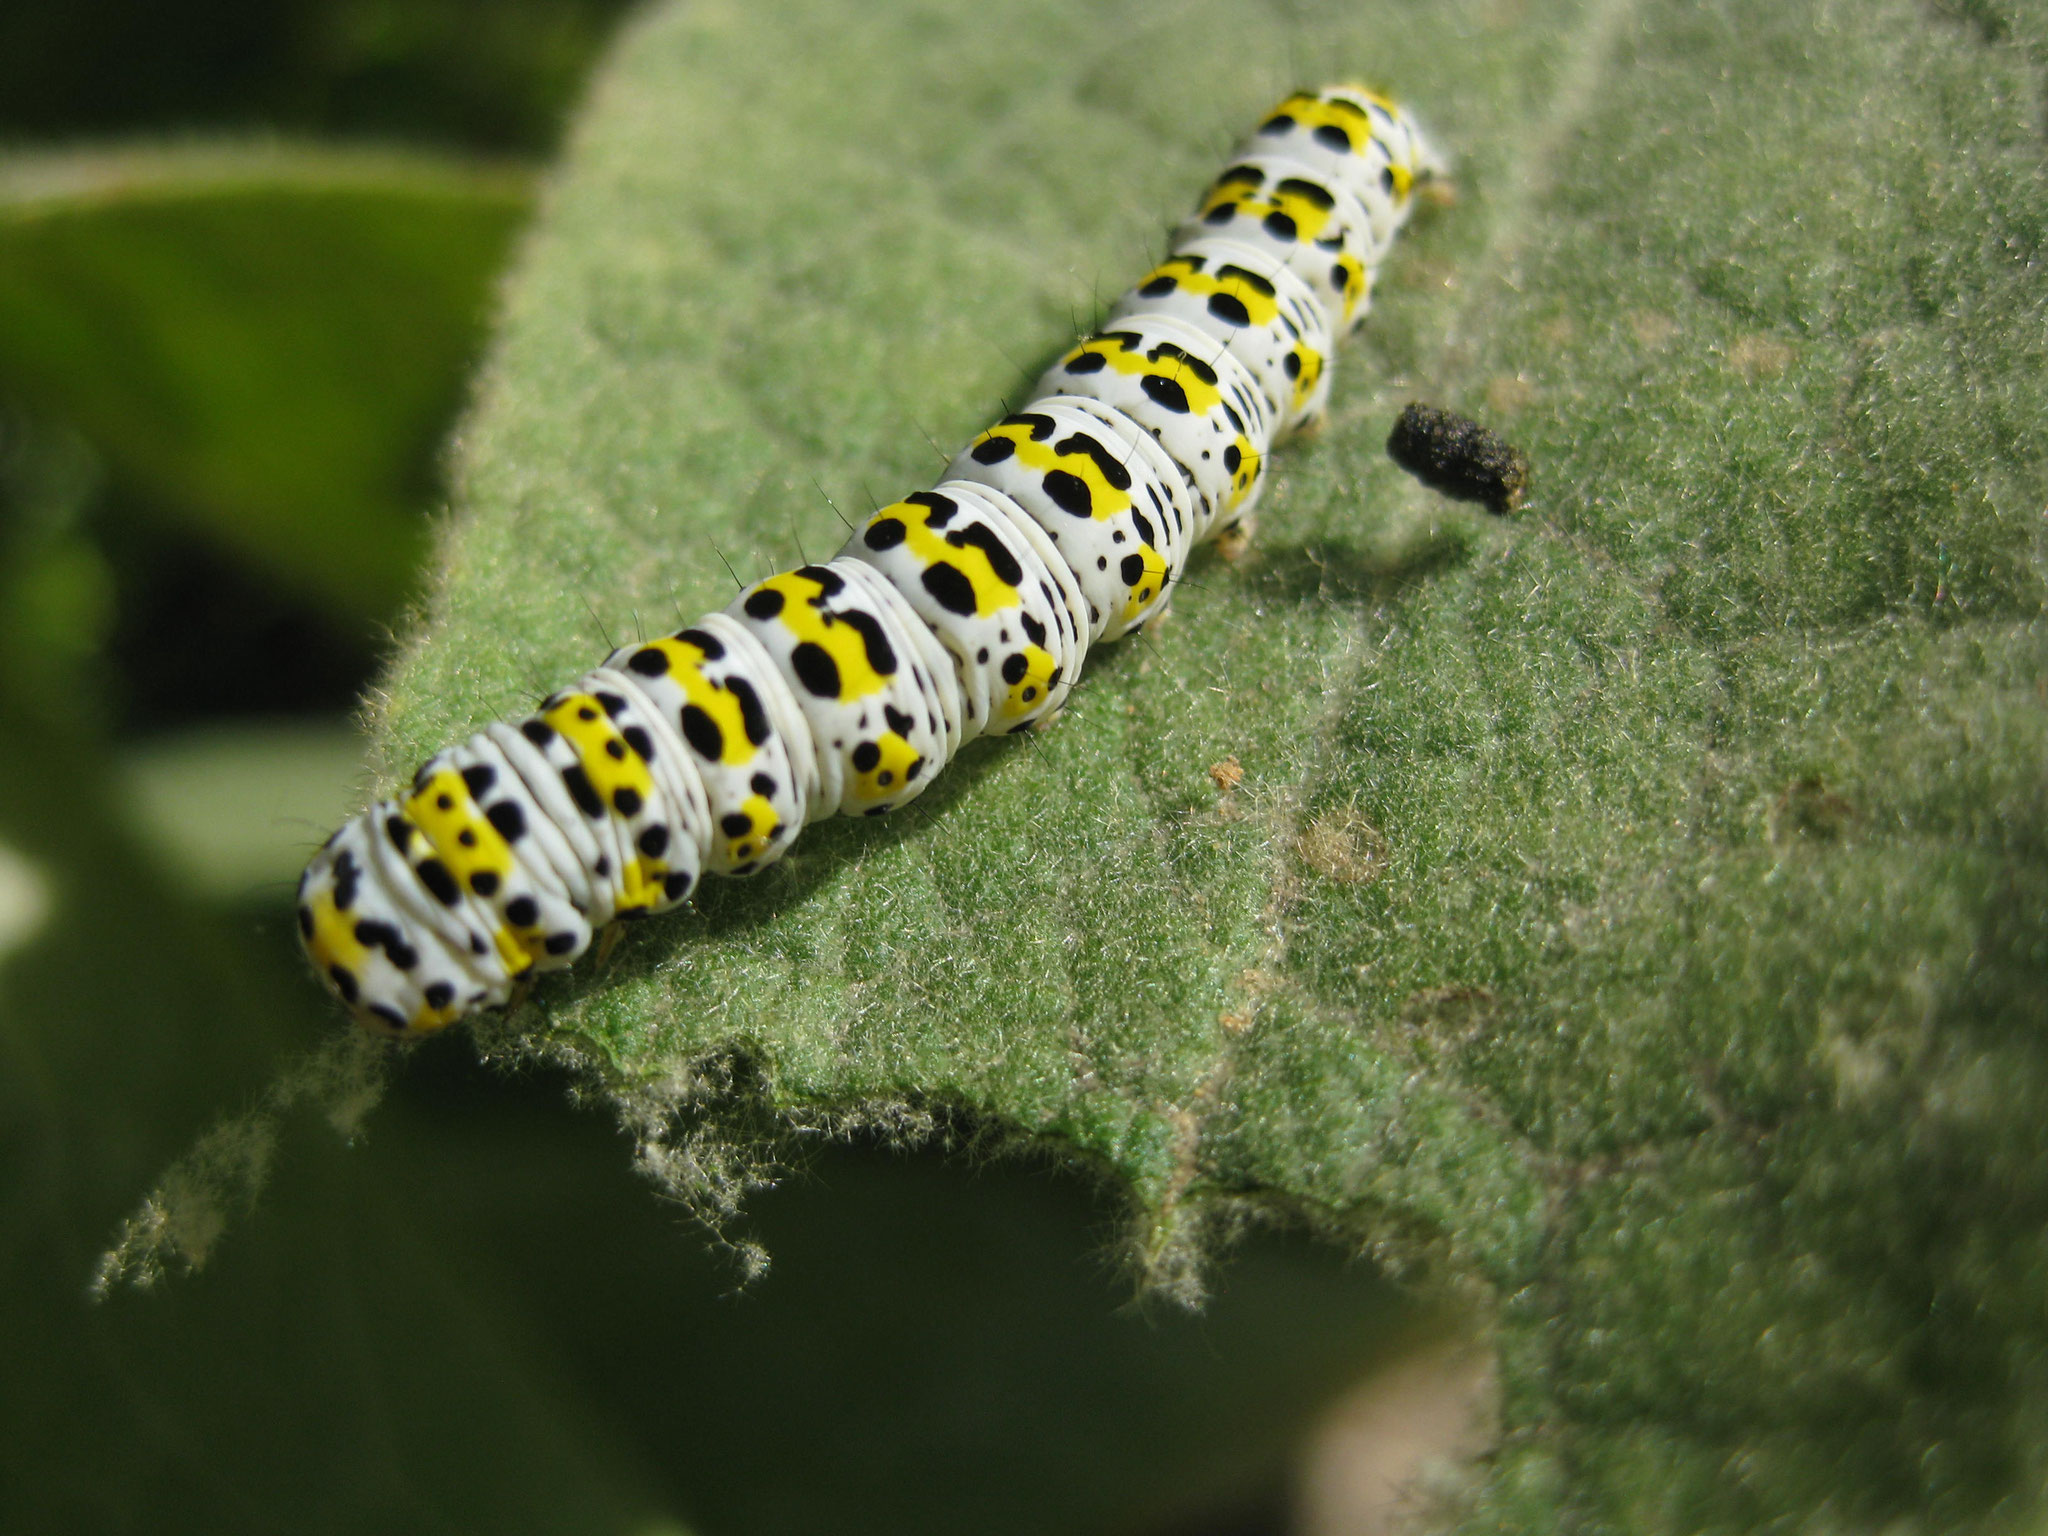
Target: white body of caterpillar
(842,688)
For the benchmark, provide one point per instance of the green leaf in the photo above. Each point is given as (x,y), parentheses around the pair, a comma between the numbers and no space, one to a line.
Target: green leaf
(349,1368)
(267,336)
(229,808)
(1638,909)
(471,1320)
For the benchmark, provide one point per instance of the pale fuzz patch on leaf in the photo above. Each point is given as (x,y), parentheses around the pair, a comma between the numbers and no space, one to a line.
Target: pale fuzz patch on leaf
(1759,357)
(1650,328)
(1507,393)
(1344,847)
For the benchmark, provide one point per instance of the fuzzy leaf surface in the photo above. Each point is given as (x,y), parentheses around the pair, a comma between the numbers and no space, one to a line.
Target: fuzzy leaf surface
(1636,908)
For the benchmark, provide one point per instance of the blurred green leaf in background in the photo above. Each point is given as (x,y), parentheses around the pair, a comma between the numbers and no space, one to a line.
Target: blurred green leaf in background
(268,337)
(246,258)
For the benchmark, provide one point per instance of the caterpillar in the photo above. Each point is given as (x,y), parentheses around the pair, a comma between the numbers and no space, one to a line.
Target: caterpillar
(959,611)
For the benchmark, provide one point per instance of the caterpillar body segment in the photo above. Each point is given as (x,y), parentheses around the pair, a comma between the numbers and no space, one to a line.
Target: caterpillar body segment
(1113,519)
(1199,403)
(1264,316)
(1314,226)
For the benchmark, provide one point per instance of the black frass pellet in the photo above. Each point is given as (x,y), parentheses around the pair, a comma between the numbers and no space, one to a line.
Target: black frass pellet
(1459,457)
